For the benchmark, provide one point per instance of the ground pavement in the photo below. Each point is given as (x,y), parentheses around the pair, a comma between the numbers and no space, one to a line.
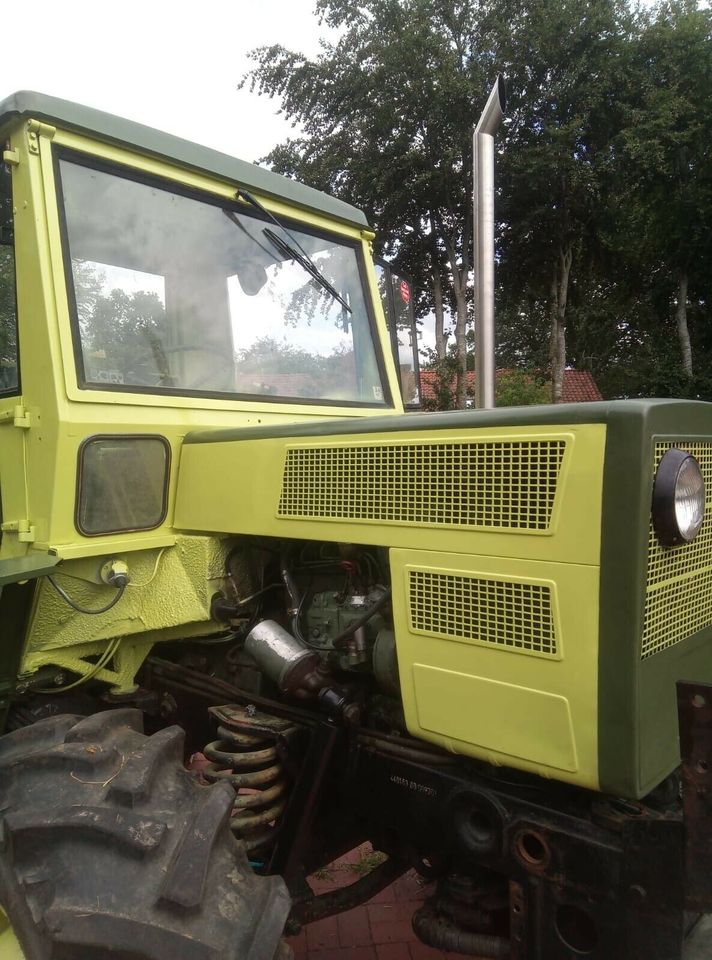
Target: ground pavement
(381,929)
(378,930)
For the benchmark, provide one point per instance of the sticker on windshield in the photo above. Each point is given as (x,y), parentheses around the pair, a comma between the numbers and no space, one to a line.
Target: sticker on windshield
(107,376)
(377,393)
(405,291)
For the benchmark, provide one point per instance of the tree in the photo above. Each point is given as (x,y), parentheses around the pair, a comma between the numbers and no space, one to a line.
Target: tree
(605,201)
(127,328)
(666,170)
(387,113)
(565,61)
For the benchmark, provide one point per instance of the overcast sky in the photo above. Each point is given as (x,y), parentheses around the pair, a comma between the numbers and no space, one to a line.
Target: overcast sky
(172,65)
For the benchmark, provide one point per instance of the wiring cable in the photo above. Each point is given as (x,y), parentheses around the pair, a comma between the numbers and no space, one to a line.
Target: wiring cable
(106,656)
(75,606)
(145,583)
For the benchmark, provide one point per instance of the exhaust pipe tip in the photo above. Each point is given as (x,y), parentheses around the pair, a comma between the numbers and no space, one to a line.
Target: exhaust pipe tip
(494,108)
(502,93)
(483,182)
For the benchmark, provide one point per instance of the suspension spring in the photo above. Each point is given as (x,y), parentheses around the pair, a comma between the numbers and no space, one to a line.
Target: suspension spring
(249,755)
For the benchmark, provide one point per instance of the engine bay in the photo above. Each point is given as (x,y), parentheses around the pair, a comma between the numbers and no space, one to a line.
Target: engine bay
(308,621)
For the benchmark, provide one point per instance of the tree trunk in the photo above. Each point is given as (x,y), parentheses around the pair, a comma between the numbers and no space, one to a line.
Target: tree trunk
(557,338)
(681,320)
(461,343)
(459,281)
(440,338)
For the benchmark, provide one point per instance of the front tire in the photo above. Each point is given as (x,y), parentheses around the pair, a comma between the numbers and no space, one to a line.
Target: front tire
(111,850)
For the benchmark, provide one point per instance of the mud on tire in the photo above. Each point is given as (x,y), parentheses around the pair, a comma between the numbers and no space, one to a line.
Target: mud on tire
(110,849)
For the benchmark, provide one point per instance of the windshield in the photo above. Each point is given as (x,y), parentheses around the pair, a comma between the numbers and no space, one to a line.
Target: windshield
(177,295)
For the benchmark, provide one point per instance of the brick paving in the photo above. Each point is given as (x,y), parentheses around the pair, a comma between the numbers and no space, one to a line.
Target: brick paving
(378,930)
(381,930)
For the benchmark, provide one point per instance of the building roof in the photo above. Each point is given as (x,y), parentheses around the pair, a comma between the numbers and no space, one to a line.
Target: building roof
(105,126)
(578,386)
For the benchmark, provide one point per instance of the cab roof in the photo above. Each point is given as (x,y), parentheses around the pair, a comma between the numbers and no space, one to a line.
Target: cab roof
(107,127)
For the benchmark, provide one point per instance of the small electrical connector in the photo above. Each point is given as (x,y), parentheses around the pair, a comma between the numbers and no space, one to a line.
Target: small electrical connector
(115,573)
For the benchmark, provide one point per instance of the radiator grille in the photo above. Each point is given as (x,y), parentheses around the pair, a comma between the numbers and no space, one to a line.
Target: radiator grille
(502,484)
(679,585)
(504,613)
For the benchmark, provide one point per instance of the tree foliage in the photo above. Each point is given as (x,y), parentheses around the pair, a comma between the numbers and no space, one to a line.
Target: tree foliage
(382,113)
(605,196)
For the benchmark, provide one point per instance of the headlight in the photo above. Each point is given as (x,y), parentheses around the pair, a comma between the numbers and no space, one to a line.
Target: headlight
(678,498)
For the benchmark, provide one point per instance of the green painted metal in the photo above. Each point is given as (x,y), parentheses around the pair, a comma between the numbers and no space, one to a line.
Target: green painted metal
(637,722)
(637,708)
(17,569)
(76,117)
(550,414)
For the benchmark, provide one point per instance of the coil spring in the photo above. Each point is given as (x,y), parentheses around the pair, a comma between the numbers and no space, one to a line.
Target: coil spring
(249,760)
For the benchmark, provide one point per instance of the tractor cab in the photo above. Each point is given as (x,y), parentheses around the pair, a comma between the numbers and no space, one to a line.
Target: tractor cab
(148,287)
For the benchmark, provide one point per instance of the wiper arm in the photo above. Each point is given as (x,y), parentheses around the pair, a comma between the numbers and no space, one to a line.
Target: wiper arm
(293,250)
(230,214)
(307,264)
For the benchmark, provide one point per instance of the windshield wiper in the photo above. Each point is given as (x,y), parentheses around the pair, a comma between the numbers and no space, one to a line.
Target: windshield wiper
(294,250)
(307,263)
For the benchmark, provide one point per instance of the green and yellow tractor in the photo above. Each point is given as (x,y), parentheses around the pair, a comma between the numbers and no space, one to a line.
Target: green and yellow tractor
(253,613)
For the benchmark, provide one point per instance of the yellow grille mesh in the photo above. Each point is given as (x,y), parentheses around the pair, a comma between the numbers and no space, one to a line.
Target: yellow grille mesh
(505,484)
(679,589)
(501,612)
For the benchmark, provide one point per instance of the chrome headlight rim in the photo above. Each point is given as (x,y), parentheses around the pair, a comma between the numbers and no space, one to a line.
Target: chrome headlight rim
(670,527)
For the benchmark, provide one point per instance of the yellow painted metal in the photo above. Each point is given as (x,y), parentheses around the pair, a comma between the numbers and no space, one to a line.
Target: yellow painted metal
(247,482)
(538,704)
(168,597)
(492,694)
(61,415)
(123,659)
(525,697)
(10,948)
(41,433)
(504,483)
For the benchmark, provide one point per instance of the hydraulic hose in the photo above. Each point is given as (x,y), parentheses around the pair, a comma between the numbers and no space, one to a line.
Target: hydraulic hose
(444,935)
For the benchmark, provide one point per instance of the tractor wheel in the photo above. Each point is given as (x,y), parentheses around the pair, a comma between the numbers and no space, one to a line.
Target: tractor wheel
(110,850)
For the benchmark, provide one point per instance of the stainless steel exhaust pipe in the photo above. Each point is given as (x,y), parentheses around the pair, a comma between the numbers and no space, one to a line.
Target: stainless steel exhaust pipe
(483,188)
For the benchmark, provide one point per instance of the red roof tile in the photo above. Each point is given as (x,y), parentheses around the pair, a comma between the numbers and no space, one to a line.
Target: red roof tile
(578,387)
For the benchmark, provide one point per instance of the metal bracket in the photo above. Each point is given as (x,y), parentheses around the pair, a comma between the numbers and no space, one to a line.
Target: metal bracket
(23,528)
(35,130)
(11,157)
(17,417)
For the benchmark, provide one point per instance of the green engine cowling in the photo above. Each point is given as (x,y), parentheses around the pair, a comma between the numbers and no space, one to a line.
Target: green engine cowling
(539,622)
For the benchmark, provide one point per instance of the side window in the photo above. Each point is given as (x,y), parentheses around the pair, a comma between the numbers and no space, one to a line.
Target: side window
(9,379)
(396,298)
